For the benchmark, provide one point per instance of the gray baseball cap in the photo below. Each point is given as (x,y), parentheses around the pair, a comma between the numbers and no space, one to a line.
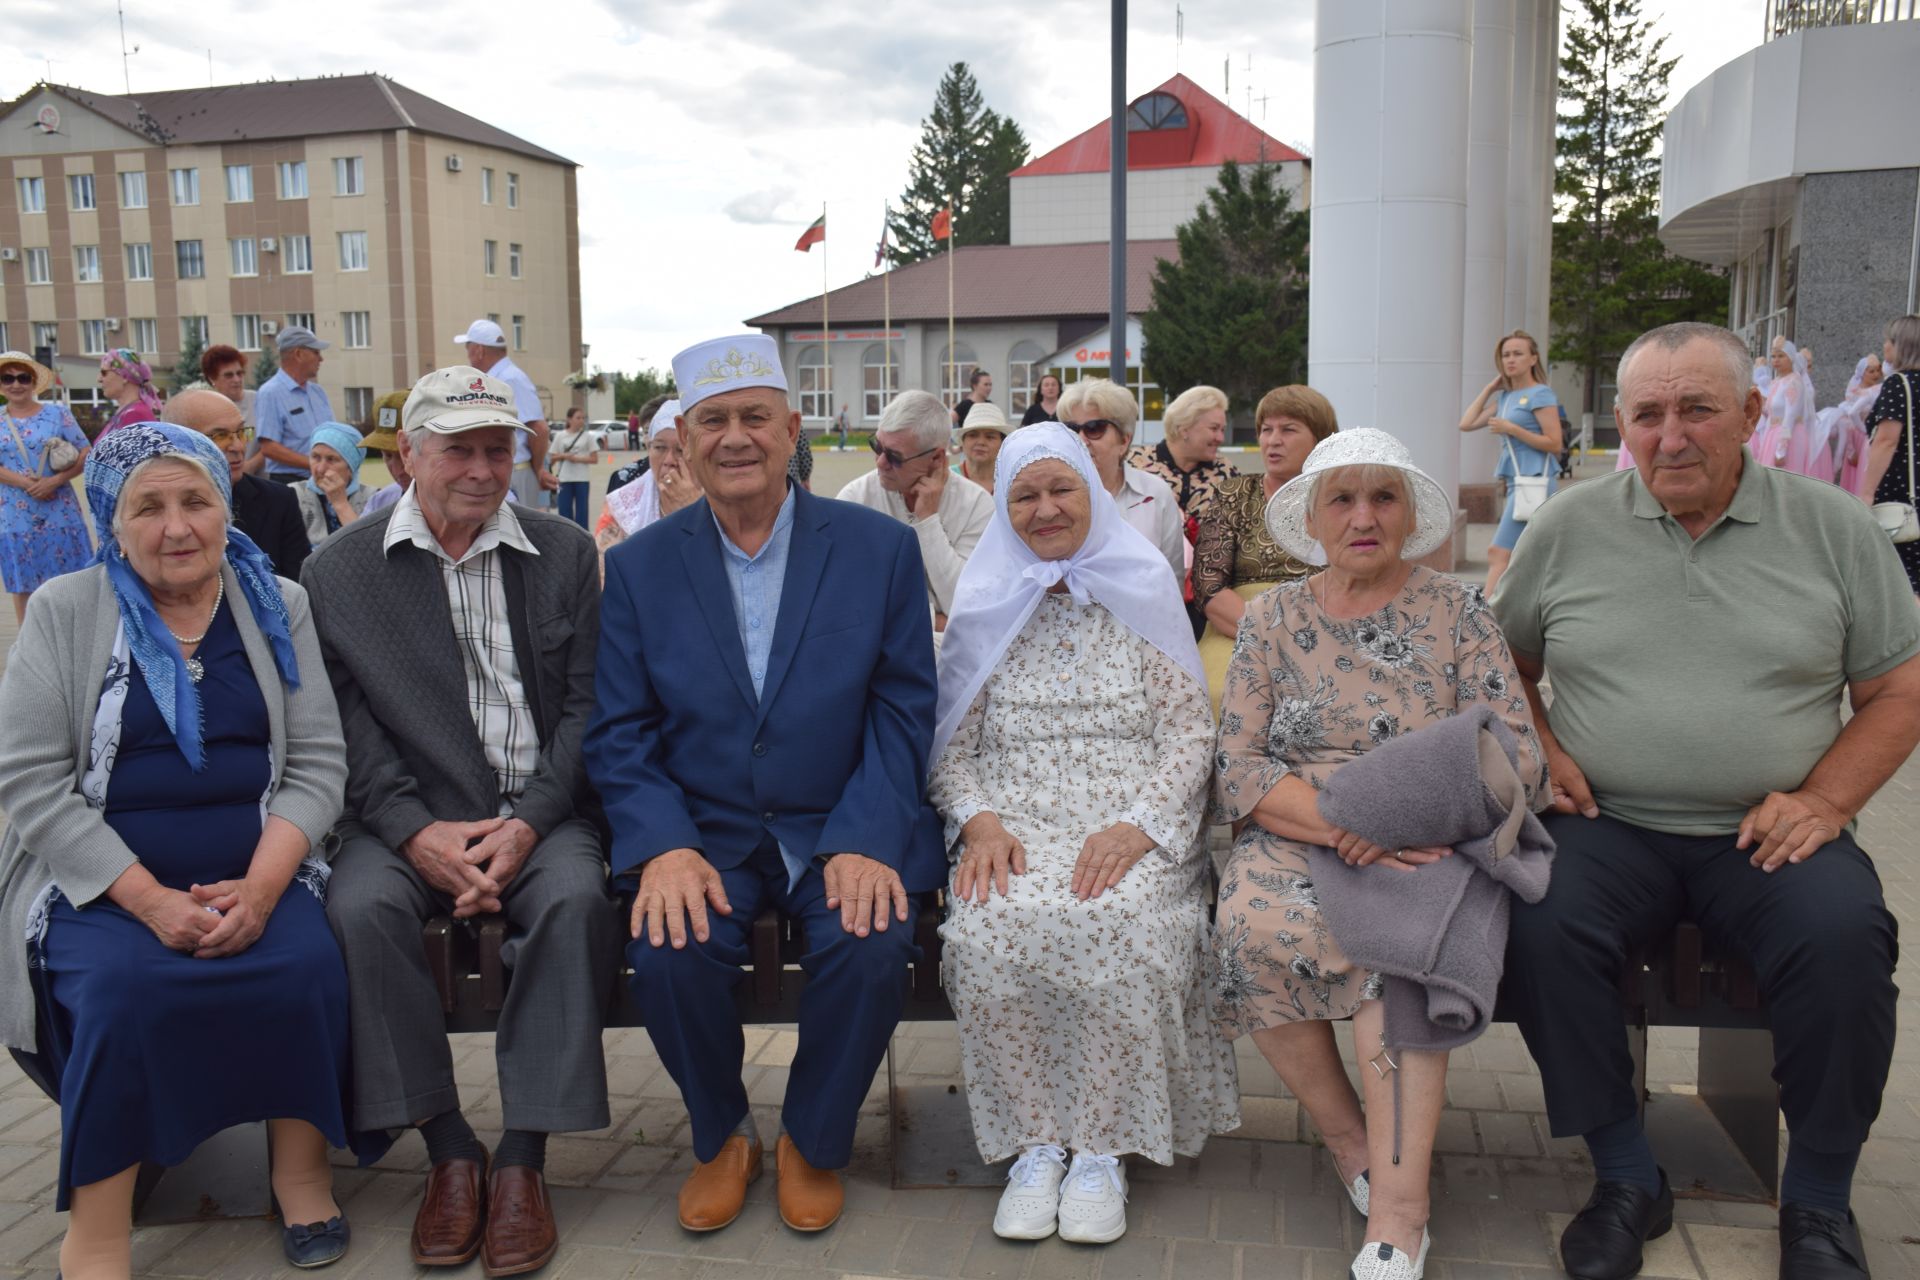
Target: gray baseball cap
(298,335)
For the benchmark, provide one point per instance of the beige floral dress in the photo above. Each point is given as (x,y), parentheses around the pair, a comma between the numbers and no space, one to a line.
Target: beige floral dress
(1086,1024)
(1306,693)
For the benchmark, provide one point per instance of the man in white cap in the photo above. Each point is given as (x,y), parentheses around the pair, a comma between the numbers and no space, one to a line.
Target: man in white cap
(459,631)
(910,482)
(486,345)
(291,404)
(738,776)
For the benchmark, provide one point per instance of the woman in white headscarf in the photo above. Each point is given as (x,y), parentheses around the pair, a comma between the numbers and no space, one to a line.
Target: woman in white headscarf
(1847,431)
(1072,756)
(664,489)
(1786,426)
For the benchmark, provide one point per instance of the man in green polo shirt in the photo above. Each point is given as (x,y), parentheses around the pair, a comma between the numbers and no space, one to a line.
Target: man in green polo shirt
(1700,618)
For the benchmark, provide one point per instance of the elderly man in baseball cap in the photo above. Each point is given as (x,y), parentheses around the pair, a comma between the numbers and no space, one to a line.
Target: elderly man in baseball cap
(291,404)
(459,633)
(384,440)
(486,345)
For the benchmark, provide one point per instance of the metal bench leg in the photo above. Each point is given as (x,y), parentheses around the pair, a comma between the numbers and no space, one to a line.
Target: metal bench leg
(227,1176)
(1736,1083)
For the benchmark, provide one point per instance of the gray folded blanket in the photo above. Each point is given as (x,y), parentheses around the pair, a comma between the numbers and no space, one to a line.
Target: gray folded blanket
(1438,936)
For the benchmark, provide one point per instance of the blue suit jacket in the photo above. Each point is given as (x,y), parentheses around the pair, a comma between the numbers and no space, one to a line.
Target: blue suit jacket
(832,758)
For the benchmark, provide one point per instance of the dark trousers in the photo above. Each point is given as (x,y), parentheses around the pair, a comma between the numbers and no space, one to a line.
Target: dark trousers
(573,501)
(564,937)
(851,1004)
(1818,935)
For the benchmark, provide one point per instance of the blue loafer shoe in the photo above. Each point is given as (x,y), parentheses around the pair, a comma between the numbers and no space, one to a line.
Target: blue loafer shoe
(316,1244)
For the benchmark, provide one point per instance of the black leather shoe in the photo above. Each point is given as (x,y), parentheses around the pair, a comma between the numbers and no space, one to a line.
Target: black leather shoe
(1819,1244)
(1603,1242)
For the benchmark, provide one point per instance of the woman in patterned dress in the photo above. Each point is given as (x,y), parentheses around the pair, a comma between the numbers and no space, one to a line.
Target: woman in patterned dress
(1072,758)
(1890,461)
(1326,668)
(42,533)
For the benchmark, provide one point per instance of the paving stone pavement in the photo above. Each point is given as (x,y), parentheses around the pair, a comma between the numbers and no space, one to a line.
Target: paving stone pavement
(1262,1204)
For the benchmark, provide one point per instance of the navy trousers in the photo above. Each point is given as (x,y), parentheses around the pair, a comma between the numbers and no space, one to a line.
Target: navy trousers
(855,987)
(1818,933)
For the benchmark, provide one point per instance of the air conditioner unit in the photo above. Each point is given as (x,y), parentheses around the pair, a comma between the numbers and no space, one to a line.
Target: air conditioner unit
(453,164)
(113,324)
(269,327)
(9,254)
(269,245)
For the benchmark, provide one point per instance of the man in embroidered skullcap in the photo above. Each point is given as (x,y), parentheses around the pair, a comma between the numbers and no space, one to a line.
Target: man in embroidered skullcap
(459,631)
(737,776)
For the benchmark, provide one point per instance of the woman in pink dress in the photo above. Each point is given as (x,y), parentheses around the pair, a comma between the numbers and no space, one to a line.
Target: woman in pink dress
(1786,424)
(1849,425)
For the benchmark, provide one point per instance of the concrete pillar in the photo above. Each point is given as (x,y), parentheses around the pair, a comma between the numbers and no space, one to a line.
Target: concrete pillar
(1522,156)
(1546,99)
(1489,130)
(1390,96)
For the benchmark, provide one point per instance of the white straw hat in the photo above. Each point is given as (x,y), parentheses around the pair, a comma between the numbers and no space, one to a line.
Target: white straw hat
(1359,447)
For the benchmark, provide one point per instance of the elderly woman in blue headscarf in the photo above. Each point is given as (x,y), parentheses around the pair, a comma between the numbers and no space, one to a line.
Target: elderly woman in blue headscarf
(333,496)
(170,763)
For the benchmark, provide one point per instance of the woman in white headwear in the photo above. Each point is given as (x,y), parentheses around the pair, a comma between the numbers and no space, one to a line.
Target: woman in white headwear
(664,489)
(1847,432)
(1072,755)
(1786,425)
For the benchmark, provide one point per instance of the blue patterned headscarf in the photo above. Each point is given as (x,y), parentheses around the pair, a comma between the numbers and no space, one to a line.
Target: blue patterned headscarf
(112,461)
(345,441)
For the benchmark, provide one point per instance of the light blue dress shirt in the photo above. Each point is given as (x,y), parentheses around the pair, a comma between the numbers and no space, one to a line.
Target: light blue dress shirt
(286,412)
(756,582)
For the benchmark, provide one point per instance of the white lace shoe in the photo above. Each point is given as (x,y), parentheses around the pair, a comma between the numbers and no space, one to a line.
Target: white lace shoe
(1378,1260)
(1093,1203)
(1030,1205)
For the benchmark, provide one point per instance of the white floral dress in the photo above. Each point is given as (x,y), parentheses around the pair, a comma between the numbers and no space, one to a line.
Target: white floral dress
(1305,694)
(1085,1024)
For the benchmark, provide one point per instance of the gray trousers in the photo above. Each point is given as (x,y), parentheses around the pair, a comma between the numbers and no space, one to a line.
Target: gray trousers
(526,486)
(553,1076)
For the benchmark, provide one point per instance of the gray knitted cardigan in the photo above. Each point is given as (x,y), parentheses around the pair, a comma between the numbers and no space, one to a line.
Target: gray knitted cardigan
(47,702)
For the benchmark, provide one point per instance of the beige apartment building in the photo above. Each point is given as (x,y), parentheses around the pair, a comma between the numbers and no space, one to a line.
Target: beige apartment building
(380,218)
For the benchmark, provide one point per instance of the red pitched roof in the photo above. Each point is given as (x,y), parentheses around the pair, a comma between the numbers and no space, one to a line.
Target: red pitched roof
(1214,134)
(991,282)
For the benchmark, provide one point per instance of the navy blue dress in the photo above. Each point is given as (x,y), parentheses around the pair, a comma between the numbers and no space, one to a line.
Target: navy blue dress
(156,1051)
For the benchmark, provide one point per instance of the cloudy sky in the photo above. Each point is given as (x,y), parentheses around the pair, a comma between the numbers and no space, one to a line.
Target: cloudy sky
(710,132)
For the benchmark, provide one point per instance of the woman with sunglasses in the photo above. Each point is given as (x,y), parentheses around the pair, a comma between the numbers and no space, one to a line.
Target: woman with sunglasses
(1102,414)
(42,533)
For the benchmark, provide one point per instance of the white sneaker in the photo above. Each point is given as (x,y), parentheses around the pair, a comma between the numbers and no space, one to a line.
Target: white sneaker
(1378,1260)
(1360,1191)
(1030,1205)
(1093,1204)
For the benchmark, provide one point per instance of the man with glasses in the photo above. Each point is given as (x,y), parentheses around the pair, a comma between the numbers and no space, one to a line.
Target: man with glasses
(265,512)
(910,483)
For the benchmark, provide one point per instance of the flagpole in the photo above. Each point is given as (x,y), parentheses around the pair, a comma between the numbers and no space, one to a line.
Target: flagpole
(953,375)
(886,323)
(826,330)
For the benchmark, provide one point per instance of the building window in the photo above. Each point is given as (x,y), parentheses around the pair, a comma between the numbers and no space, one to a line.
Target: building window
(302,318)
(188,259)
(880,378)
(349,176)
(513,190)
(133,190)
(39,266)
(193,329)
(293,179)
(360,406)
(494,316)
(239,184)
(33,195)
(185,185)
(86,264)
(513,261)
(80,189)
(1023,382)
(956,371)
(296,254)
(46,333)
(5,342)
(140,261)
(146,336)
(486,186)
(242,256)
(489,251)
(356,328)
(353,251)
(815,400)
(246,332)
(519,333)
(1156,111)
(93,337)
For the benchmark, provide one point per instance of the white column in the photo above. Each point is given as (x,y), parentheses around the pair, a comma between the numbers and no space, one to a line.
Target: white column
(1546,98)
(1389,218)
(1489,128)
(1523,154)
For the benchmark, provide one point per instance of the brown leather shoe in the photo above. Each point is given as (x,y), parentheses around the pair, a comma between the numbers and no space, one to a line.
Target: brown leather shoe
(810,1198)
(520,1231)
(713,1193)
(447,1227)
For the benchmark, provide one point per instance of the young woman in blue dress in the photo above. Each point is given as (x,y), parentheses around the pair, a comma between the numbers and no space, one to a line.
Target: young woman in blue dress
(1519,406)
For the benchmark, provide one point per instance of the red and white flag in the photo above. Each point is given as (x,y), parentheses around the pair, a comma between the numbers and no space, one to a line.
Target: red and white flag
(813,235)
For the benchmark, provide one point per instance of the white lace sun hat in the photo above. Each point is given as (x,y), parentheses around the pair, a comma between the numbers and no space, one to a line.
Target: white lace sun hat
(1359,447)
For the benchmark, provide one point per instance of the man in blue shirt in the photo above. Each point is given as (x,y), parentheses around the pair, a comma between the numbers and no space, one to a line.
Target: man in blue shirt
(291,404)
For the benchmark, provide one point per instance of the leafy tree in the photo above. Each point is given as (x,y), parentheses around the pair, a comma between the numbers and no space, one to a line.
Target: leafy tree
(1612,278)
(265,365)
(631,390)
(1232,312)
(186,369)
(965,155)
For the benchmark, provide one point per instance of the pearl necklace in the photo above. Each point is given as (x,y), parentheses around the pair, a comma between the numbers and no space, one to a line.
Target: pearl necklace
(195,668)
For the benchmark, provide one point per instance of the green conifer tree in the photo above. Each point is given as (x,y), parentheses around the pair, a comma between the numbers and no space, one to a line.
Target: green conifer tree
(964,155)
